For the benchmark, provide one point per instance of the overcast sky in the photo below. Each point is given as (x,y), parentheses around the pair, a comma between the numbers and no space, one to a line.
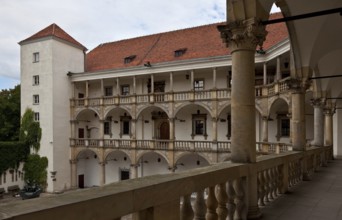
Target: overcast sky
(94,22)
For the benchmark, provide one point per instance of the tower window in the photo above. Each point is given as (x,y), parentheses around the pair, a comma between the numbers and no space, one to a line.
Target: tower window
(36,116)
(36,57)
(36,80)
(35,99)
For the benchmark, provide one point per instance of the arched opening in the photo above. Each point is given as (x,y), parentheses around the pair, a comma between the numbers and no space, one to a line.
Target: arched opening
(152,163)
(279,122)
(88,168)
(117,167)
(190,161)
(118,124)
(88,125)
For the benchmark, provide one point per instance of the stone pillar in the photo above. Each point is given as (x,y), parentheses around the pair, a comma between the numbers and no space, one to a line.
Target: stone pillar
(171,81)
(101,129)
(134,171)
(214,120)
(264,129)
(242,38)
(214,78)
(265,73)
(134,131)
(192,80)
(73,164)
(102,173)
(328,127)
(298,115)
(73,128)
(87,89)
(318,122)
(278,71)
(117,86)
(134,85)
(73,93)
(172,128)
(102,88)
(152,83)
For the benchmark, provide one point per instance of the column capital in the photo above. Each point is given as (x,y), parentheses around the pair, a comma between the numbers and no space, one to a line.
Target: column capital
(243,35)
(328,111)
(318,102)
(298,85)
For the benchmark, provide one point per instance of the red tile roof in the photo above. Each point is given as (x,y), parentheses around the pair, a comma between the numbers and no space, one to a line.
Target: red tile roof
(200,42)
(56,31)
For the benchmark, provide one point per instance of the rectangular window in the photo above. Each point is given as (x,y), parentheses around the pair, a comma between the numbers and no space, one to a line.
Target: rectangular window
(35,99)
(106,127)
(285,127)
(199,125)
(108,90)
(36,116)
(125,127)
(35,80)
(125,90)
(36,57)
(199,85)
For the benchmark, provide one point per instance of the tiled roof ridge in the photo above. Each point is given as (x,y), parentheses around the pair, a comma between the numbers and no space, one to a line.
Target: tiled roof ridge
(160,33)
(167,32)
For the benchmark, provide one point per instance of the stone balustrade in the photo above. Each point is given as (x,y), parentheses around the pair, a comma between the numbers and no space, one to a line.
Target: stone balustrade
(213,192)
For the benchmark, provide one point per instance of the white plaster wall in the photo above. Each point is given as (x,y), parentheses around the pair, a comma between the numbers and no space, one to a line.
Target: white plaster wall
(18,179)
(144,130)
(115,162)
(149,165)
(90,168)
(189,161)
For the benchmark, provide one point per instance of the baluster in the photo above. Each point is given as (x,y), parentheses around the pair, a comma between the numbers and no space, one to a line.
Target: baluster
(200,208)
(231,198)
(267,187)
(186,209)
(271,183)
(211,204)
(239,200)
(261,188)
(280,178)
(276,181)
(222,199)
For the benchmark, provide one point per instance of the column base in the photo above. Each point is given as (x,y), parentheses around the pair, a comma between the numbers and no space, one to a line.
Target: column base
(254,213)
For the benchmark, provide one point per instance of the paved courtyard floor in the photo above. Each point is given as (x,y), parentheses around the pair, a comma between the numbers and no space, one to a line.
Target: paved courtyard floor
(320,198)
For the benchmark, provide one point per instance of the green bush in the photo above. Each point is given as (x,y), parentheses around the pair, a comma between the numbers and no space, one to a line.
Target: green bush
(12,153)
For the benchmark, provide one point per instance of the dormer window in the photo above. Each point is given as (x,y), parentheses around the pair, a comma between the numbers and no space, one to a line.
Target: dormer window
(129,59)
(180,52)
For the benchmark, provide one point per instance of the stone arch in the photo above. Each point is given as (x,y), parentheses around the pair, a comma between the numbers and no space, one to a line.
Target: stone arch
(107,154)
(190,160)
(108,110)
(164,109)
(271,104)
(78,152)
(118,166)
(182,106)
(139,156)
(77,113)
(151,163)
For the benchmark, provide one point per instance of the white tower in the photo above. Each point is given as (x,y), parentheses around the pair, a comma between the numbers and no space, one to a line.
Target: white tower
(46,58)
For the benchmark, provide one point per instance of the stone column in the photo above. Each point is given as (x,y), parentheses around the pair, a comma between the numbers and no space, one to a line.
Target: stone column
(242,38)
(117,86)
(264,129)
(87,89)
(134,171)
(171,81)
(328,127)
(73,164)
(278,71)
(102,173)
(214,78)
(172,128)
(192,80)
(298,115)
(265,73)
(318,122)
(134,85)
(152,83)
(134,123)
(214,132)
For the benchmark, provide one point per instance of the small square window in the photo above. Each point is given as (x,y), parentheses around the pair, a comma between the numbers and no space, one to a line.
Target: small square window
(35,80)
(108,91)
(129,59)
(180,52)
(125,90)
(36,99)
(36,116)
(199,85)
(199,125)
(36,57)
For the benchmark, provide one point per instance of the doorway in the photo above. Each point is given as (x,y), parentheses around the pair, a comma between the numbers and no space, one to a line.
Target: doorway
(164,130)
(124,174)
(81,181)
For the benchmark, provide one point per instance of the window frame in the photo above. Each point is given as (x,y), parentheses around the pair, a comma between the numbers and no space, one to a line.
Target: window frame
(36,57)
(36,100)
(125,119)
(35,80)
(199,88)
(108,91)
(125,93)
(283,131)
(195,119)
(36,117)
(107,128)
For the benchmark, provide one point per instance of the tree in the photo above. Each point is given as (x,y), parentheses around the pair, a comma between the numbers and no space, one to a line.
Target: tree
(30,131)
(10,114)
(35,170)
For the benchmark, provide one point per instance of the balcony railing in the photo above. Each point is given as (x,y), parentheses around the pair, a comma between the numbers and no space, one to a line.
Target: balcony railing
(280,86)
(178,145)
(228,192)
